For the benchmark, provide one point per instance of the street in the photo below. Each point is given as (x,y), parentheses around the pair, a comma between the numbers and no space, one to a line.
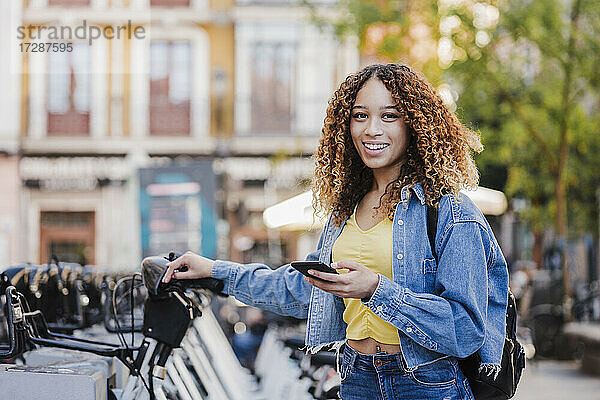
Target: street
(557,380)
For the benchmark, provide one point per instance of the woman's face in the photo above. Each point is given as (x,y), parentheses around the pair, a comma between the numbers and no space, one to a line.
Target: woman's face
(377,128)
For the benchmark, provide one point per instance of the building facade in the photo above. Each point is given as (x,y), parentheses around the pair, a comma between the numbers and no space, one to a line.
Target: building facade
(152,84)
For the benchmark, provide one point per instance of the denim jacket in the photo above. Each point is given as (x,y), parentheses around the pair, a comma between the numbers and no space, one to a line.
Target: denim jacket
(454,307)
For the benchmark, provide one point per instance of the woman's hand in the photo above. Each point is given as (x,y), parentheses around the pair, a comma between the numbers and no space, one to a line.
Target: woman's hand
(197,267)
(358,283)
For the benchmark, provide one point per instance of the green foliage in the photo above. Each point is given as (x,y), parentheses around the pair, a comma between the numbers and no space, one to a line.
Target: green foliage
(528,82)
(536,68)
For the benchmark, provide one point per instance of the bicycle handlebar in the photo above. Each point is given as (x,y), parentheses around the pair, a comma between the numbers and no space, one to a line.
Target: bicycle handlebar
(154,269)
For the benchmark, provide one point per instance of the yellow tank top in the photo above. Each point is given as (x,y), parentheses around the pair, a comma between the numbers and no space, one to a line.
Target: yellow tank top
(373,249)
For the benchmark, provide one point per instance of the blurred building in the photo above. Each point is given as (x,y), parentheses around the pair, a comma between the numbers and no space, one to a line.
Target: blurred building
(10,100)
(243,83)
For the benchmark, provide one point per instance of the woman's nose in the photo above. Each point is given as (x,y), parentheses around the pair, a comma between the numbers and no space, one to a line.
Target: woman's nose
(374,128)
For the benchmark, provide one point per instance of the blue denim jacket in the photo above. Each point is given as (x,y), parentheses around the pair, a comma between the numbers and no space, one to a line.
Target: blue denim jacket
(454,307)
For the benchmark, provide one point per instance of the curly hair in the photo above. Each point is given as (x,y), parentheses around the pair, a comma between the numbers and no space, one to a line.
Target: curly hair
(439,146)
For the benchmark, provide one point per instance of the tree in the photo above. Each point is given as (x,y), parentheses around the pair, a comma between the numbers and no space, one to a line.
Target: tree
(527,77)
(533,66)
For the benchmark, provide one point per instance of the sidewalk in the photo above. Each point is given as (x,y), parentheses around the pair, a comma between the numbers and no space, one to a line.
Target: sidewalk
(557,380)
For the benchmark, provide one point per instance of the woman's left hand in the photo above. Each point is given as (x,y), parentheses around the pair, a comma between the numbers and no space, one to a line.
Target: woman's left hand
(358,283)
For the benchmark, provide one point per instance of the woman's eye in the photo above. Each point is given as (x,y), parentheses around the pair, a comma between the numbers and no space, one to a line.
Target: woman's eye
(390,116)
(360,115)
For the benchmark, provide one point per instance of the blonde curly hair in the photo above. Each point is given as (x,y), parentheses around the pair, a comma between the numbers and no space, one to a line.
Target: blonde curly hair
(439,148)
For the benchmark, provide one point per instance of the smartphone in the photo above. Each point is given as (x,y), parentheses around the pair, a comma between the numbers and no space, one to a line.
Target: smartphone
(304,266)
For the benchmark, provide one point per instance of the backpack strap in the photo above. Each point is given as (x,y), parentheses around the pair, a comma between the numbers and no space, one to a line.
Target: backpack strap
(432,217)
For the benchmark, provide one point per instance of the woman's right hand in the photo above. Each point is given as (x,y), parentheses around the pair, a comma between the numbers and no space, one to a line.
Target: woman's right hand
(197,267)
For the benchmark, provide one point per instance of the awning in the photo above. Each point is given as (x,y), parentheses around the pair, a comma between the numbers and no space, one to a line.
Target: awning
(297,213)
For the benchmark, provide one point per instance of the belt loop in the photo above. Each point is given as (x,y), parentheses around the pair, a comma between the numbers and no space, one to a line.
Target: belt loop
(353,355)
(340,351)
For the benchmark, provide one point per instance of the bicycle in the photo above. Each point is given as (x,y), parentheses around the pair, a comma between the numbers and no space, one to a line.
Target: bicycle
(167,306)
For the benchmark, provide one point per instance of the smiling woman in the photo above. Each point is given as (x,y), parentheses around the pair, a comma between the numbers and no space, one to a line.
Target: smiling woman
(387,135)
(438,146)
(403,311)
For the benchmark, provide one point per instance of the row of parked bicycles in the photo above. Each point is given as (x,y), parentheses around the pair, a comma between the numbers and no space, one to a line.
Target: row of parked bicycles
(81,332)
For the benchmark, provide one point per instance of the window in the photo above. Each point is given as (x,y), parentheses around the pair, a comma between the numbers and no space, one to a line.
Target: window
(285,2)
(68,102)
(272,78)
(169,3)
(69,3)
(170,83)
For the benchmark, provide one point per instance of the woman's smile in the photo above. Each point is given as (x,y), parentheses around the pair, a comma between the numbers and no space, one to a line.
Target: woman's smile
(375,148)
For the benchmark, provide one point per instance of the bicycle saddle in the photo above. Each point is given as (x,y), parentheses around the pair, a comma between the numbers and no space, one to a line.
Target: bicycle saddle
(154,269)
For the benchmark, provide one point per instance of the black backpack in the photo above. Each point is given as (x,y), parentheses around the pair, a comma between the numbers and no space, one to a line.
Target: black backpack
(504,384)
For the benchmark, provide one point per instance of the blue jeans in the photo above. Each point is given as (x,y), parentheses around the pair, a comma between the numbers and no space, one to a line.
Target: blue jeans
(382,376)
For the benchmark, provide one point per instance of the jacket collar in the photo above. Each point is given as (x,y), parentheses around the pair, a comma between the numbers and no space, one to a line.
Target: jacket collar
(416,188)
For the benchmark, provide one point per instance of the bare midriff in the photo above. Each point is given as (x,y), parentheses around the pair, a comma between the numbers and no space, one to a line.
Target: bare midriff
(372,346)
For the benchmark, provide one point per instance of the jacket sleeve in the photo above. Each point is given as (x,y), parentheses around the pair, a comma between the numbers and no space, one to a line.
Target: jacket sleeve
(451,322)
(283,290)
